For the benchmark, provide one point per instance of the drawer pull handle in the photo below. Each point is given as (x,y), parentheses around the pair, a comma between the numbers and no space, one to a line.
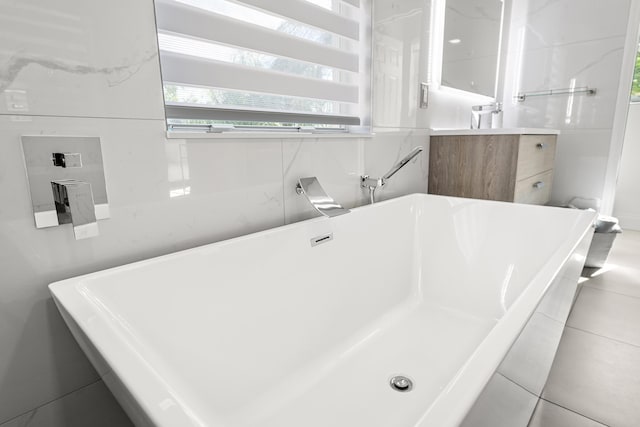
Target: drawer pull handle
(541,146)
(538,185)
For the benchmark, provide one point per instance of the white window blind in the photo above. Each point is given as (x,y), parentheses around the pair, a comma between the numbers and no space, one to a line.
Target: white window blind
(265,62)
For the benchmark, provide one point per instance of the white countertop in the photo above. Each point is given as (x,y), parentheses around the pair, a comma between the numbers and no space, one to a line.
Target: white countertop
(499,131)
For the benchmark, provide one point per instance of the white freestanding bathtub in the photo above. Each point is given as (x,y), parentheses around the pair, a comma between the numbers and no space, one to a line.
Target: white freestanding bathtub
(276,329)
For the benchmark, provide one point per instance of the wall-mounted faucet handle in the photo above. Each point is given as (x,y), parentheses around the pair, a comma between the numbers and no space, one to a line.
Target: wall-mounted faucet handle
(67,160)
(374,183)
(310,187)
(74,204)
(50,162)
(367,182)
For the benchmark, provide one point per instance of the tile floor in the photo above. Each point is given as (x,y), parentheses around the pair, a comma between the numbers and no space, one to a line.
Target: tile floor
(595,379)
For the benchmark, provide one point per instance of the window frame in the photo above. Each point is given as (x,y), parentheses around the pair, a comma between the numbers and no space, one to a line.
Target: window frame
(343,127)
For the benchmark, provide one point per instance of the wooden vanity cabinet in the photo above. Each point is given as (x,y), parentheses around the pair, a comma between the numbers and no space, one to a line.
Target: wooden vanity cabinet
(511,168)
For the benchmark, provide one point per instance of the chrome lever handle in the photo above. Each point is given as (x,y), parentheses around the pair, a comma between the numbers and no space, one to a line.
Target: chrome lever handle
(74,204)
(538,185)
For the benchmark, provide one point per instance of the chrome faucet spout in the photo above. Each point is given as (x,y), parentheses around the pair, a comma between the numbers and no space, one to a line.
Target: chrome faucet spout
(310,187)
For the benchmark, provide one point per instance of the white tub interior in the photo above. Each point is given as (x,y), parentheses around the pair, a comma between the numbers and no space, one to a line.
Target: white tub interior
(266,330)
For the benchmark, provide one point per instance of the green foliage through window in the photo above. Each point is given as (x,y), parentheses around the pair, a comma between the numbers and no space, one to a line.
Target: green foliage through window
(635,88)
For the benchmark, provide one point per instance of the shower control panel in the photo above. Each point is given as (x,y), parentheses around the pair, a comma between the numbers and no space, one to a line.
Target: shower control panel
(66,181)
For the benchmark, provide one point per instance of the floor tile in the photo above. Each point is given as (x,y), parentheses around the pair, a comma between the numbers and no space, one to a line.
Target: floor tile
(626,248)
(616,278)
(620,274)
(502,403)
(608,314)
(622,271)
(549,415)
(596,377)
(92,405)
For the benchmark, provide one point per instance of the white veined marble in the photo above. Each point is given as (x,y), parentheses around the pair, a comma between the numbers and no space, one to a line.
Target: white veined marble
(70,58)
(564,45)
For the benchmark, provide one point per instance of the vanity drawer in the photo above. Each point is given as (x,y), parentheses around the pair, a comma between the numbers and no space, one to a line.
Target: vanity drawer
(536,154)
(534,190)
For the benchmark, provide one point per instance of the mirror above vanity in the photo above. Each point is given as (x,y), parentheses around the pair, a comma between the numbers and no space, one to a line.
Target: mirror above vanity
(466,45)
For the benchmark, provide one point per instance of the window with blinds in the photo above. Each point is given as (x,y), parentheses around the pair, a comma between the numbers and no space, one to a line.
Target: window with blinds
(265,64)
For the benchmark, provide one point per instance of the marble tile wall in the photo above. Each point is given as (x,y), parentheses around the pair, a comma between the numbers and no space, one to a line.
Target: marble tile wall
(563,44)
(75,68)
(70,58)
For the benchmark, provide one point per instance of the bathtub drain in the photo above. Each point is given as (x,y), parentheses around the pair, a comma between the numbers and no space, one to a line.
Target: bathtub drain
(401,383)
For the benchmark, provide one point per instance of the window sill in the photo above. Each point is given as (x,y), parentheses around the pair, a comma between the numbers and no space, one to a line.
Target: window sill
(265,135)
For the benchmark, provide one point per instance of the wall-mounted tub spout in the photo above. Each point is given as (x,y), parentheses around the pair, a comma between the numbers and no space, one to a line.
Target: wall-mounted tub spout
(310,187)
(374,183)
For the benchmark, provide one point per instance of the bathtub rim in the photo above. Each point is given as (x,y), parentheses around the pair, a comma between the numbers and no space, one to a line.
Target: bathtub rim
(448,409)
(113,367)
